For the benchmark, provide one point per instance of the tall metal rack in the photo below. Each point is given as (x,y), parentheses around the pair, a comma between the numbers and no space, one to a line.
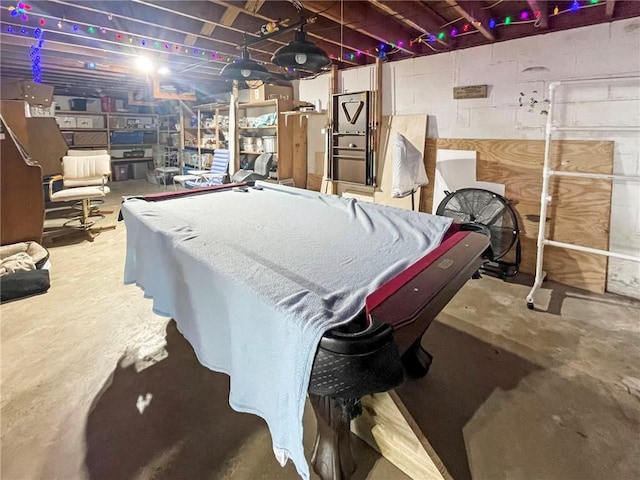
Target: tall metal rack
(547,173)
(351,153)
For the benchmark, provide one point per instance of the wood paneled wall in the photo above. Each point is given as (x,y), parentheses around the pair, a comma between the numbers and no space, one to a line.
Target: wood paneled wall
(21,195)
(580,209)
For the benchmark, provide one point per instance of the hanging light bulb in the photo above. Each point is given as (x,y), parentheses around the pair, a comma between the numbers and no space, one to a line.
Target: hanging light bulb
(144,64)
(244,68)
(301,53)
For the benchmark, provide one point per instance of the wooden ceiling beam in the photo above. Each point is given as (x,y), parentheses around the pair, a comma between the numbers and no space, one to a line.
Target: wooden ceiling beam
(140,28)
(82,54)
(473,13)
(539,9)
(228,17)
(609,7)
(275,11)
(363,18)
(198,12)
(61,41)
(226,44)
(415,14)
(319,29)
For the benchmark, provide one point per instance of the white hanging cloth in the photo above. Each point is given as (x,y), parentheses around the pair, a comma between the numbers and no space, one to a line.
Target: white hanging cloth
(409,172)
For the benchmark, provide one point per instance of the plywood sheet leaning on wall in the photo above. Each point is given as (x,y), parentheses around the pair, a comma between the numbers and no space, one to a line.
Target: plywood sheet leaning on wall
(580,209)
(314,180)
(414,128)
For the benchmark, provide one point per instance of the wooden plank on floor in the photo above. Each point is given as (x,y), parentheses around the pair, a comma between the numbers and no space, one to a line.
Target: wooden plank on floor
(387,426)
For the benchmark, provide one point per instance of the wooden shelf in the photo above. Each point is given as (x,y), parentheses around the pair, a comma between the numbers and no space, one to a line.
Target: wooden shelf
(264,103)
(131,160)
(288,136)
(149,120)
(350,157)
(83,129)
(118,146)
(110,114)
(133,129)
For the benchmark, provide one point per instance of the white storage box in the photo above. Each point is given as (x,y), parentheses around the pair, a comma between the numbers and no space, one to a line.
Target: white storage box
(66,122)
(84,122)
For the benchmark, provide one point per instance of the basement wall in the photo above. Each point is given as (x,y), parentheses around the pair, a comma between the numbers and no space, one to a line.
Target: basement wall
(518,73)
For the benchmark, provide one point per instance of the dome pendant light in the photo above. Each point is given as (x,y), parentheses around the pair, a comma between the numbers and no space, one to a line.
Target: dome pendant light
(244,68)
(301,54)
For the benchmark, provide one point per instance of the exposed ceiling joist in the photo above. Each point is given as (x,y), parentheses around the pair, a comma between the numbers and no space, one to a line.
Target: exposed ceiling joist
(227,19)
(539,9)
(350,31)
(267,48)
(473,13)
(328,38)
(355,16)
(414,14)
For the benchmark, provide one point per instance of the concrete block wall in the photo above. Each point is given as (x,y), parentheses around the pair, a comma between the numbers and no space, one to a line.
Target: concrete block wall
(518,73)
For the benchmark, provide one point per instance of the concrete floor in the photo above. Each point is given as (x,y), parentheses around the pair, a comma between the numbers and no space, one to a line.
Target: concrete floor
(512,393)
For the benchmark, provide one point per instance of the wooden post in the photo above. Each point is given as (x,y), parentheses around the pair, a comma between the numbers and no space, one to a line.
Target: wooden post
(377,105)
(328,185)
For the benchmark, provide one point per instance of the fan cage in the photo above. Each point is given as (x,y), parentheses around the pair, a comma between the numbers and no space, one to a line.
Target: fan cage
(486,208)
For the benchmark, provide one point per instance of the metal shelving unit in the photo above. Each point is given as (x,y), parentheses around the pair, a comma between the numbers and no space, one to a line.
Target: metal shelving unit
(110,122)
(280,129)
(548,173)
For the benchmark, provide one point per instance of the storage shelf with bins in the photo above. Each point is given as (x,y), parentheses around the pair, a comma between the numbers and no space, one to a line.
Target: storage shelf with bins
(169,130)
(253,141)
(206,132)
(122,134)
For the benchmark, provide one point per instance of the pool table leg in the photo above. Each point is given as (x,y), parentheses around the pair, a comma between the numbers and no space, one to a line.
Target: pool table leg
(416,360)
(332,458)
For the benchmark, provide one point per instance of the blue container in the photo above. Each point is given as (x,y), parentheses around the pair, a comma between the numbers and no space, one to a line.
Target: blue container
(127,137)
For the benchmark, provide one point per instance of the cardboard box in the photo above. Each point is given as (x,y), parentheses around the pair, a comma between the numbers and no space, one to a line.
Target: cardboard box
(33,93)
(270,92)
(90,138)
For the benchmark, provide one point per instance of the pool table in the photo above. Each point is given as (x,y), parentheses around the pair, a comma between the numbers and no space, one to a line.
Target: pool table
(295,293)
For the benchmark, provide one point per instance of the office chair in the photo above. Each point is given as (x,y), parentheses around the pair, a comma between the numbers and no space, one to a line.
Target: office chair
(80,176)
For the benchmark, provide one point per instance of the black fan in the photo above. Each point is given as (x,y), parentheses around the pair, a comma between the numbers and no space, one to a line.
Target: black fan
(493,212)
